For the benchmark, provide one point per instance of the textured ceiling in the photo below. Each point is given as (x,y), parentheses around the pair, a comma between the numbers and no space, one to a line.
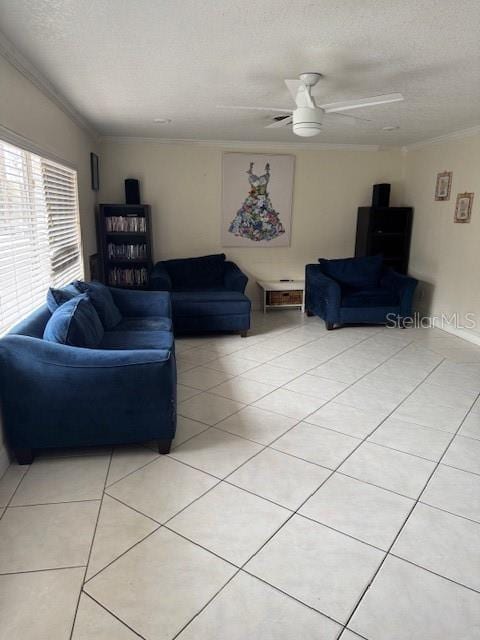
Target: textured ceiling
(123,63)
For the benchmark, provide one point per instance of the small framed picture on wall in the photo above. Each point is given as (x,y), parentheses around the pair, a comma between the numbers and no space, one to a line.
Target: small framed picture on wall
(463,207)
(443,186)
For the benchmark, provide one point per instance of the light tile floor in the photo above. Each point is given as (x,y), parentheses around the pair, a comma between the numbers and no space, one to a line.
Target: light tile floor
(322,485)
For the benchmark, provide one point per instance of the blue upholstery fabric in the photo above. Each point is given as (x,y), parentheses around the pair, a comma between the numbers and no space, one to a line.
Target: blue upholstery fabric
(137,340)
(55,395)
(209,303)
(207,293)
(155,323)
(370,298)
(189,274)
(75,323)
(142,304)
(322,294)
(159,278)
(102,301)
(57,297)
(233,278)
(403,286)
(203,324)
(34,324)
(358,273)
(340,304)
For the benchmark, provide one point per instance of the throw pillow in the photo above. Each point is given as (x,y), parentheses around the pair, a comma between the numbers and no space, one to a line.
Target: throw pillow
(57,297)
(204,272)
(102,300)
(75,323)
(357,273)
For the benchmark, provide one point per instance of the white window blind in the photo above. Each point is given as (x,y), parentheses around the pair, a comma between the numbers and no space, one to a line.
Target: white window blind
(39,231)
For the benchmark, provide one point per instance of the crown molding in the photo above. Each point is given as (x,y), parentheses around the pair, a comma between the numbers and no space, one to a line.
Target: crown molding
(26,68)
(454,135)
(242,144)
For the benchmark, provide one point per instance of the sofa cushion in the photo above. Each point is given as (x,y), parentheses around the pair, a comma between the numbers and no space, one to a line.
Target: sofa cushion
(190,274)
(57,297)
(137,340)
(209,303)
(151,323)
(369,298)
(102,301)
(75,323)
(358,273)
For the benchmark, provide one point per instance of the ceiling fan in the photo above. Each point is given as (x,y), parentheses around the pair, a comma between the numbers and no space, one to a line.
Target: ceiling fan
(308,116)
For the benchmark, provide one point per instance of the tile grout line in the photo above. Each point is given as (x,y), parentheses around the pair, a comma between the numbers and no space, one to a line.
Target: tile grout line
(334,471)
(263,449)
(91,544)
(294,512)
(435,573)
(362,595)
(102,606)
(123,552)
(43,570)
(297,376)
(44,504)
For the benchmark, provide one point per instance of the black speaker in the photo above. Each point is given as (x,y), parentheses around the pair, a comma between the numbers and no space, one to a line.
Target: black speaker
(132,191)
(381,195)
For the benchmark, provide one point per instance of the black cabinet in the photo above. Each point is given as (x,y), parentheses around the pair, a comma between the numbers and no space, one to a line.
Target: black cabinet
(124,244)
(385,230)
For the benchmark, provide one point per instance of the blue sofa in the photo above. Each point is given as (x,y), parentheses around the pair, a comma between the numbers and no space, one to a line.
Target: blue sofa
(357,291)
(122,391)
(207,294)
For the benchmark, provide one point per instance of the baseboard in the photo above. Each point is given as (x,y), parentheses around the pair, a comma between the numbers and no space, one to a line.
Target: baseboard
(464,334)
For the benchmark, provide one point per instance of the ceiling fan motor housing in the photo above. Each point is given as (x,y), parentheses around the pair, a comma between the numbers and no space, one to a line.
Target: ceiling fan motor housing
(307,122)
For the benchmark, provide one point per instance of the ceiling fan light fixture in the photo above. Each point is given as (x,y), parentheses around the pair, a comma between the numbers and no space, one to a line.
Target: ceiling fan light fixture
(307,122)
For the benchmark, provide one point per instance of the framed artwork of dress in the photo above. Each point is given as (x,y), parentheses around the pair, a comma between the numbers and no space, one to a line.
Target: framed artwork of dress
(257,194)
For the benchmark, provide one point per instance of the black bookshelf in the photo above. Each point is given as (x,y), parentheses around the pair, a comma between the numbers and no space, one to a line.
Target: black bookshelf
(124,244)
(385,230)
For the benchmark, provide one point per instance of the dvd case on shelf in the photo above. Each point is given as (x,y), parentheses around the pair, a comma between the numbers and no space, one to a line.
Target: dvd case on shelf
(126,251)
(134,277)
(125,224)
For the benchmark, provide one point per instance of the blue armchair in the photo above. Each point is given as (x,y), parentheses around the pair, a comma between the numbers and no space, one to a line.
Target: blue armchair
(357,290)
(207,294)
(123,391)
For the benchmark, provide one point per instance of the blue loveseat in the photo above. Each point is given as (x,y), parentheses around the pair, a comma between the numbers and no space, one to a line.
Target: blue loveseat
(122,391)
(357,291)
(207,294)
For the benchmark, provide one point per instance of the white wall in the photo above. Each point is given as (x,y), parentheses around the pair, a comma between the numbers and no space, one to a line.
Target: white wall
(445,256)
(26,111)
(182,182)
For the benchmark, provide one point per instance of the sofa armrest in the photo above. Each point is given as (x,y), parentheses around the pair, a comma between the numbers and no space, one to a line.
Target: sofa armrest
(138,304)
(52,392)
(233,278)
(159,278)
(404,286)
(322,294)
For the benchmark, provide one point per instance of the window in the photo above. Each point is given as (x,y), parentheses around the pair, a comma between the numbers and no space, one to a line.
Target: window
(39,231)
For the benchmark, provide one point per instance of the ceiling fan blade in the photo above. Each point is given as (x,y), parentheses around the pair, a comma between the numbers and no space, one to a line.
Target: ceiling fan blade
(362,102)
(300,94)
(230,106)
(347,118)
(284,122)
(293,86)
